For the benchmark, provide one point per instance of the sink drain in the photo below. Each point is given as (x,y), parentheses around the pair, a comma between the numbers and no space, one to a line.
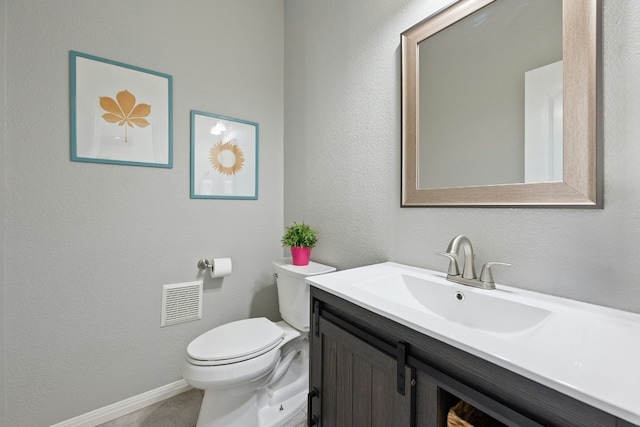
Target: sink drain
(459,296)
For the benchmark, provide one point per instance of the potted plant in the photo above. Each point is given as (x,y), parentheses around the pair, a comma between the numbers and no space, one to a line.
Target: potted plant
(300,238)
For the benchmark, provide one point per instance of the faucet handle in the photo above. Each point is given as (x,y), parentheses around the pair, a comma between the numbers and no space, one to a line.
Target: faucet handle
(486,276)
(453,264)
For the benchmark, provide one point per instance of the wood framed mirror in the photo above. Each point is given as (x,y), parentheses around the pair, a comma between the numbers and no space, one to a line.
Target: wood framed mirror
(431,121)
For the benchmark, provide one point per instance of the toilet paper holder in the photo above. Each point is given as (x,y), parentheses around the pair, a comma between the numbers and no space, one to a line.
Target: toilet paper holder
(204,264)
(218,267)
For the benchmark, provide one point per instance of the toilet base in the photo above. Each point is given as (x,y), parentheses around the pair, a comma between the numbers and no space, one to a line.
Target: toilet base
(265,402)
(218,411)
(274,416)
(231,407)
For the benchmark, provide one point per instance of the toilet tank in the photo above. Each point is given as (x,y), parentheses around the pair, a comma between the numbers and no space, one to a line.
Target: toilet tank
(293,292)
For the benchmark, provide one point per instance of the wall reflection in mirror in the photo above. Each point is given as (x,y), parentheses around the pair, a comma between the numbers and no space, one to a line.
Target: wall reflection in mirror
(490,97)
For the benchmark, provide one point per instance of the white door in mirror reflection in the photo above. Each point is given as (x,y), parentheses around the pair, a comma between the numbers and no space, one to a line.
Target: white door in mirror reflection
(543,124)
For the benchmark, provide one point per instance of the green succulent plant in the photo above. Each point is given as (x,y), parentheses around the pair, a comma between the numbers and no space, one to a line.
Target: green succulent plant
(300,235)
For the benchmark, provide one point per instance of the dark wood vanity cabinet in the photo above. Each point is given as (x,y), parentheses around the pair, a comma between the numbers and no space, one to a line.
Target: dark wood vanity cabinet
(366,370)
(358,382)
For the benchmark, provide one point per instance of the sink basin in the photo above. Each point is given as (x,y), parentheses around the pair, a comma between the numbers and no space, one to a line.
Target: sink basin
(485,310)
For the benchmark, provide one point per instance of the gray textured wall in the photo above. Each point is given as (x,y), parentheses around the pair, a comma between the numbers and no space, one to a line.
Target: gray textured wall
(89,246)
(342,160)
(3,192)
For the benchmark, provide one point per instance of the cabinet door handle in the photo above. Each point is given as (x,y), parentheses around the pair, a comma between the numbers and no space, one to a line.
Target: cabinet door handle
(401,360)
(312,420)
(316,317)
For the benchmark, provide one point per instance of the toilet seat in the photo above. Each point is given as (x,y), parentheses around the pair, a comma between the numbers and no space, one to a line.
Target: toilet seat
(235,342)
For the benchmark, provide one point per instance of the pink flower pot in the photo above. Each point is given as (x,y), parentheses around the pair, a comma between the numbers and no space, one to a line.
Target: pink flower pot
(300,255)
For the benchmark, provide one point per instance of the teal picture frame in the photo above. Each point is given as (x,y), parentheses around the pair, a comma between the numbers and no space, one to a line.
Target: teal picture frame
(120,114)
(224,157)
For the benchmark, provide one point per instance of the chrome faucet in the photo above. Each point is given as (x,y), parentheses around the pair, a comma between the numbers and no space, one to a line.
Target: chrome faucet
(469,270)
(468,276)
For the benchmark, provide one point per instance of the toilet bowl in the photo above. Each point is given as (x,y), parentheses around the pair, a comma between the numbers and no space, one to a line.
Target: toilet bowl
(255,372)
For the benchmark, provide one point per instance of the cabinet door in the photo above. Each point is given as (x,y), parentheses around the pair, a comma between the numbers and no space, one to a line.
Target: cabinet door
(356,383)
(429,413)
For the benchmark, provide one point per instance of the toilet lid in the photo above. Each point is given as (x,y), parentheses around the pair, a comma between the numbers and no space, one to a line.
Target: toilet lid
(236,341)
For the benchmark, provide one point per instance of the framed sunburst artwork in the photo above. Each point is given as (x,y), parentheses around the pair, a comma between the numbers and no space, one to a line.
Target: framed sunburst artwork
(120,113)
(224,157)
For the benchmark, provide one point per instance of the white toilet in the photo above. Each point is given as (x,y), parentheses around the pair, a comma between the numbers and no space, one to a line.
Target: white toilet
(255,372)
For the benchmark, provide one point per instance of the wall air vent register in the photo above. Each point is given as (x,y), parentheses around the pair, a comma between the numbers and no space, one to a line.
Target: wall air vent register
(181,303)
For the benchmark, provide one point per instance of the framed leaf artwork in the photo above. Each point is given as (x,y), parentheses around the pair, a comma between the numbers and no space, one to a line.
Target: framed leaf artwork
(120,114)
(224,157)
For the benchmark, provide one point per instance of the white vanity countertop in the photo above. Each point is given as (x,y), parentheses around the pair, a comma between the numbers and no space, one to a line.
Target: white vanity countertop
(585,351)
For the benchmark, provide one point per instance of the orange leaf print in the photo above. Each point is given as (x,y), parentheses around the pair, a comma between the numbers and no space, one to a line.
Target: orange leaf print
(111,118)
(110,105)
(139,122)
(126,100)
(124,111)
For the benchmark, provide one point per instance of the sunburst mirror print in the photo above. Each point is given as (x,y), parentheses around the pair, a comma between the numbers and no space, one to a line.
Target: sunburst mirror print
(224,157)
(227,158)
(120,113)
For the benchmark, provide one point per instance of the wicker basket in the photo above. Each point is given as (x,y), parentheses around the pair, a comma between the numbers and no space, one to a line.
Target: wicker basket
(464,415)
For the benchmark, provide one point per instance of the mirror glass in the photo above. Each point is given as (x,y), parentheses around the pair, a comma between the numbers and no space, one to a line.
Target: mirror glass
(484,71)
(500,105)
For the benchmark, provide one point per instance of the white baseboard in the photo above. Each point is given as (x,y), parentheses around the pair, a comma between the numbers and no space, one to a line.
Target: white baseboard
(127,406)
